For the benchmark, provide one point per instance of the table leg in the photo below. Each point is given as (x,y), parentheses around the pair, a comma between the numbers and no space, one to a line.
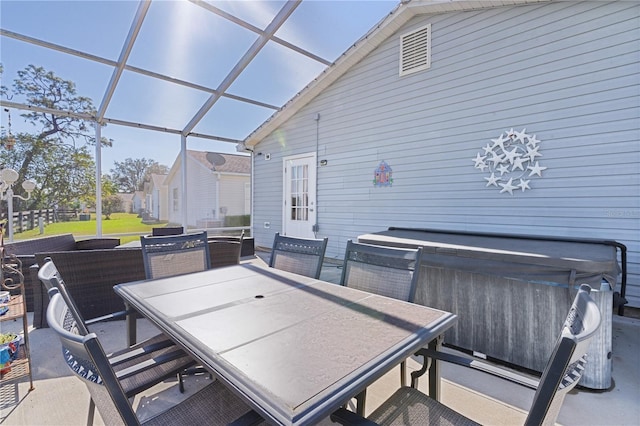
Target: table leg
(131,325)
(361,398)
(434,370)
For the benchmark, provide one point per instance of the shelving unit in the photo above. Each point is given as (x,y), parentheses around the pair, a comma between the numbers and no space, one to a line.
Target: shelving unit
(21,366)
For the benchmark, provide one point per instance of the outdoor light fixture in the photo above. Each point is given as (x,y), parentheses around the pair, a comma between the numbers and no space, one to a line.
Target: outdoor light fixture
(7,178)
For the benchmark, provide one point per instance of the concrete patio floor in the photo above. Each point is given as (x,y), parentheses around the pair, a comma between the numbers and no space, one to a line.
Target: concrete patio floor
(61,399)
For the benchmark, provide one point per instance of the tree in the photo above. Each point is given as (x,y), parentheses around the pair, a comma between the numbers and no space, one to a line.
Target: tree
(130,175)
(111,204)
(57,155)
(64,174)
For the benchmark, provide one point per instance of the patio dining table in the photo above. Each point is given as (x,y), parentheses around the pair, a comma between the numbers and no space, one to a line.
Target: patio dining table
(294,348)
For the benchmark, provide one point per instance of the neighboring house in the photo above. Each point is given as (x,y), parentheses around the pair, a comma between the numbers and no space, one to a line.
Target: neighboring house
(493,116)
(126,201)
(218,185)
(157,197)
(138,202)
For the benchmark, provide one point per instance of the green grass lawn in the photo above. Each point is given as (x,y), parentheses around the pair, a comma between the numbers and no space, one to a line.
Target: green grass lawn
(120,223)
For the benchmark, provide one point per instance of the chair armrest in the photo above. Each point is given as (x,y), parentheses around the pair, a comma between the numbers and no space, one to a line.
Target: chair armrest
(474,363)
(108,317)
(346,417)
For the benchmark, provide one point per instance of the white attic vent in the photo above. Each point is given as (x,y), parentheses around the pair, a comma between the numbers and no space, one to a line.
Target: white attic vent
(415,50)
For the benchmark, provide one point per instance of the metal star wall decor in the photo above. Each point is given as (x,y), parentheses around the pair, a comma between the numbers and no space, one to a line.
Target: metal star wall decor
(510,160)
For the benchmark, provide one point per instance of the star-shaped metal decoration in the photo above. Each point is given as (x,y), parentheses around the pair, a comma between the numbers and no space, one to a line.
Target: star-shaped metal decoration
(520,136)
(499,142)
(496,158)
(536,169)
(532,153)
(492,180)
(533,142)
(511,156)
(508,187)
(524,184)
(479,160)
(518,163)
(503,168)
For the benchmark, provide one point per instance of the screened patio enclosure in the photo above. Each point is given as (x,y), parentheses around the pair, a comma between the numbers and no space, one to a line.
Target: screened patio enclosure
(167,76)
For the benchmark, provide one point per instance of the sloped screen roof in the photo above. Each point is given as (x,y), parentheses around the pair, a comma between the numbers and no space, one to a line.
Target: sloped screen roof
(212,70)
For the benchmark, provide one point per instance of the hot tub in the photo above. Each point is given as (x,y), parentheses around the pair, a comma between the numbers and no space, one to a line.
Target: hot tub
(512,292)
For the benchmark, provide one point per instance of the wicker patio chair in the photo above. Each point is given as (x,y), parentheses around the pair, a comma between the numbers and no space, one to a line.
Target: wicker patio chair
(561,374)
(143,365)
(225,251)
(175,254)
(90,276)
(387,271)
(85,357)
(301,256)
(167,230)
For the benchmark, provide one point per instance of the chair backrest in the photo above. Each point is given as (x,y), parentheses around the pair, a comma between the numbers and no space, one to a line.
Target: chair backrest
(301,256)
(566,365)
(175,254)
(51,279)
(87,360)
(167,230)
(225,250)
(388,271)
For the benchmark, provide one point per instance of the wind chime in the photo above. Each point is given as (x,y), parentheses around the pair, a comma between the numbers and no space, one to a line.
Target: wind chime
(10,141)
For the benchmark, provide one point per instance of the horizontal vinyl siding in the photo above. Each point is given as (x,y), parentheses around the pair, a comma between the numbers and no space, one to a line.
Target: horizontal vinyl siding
(201,187)
(232,193)
(568,72)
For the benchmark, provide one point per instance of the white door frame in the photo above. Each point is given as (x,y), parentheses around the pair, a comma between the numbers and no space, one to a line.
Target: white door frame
(306,227)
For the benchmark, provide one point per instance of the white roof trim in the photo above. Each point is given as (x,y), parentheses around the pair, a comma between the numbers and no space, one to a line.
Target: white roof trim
(361,48)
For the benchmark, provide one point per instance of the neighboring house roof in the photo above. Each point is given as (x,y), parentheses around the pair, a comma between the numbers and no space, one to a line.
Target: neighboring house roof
(365,45)
(157,180)
(223,163)
(215,161)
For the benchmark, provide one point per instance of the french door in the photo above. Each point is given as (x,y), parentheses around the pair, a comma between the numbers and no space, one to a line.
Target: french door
(299,195)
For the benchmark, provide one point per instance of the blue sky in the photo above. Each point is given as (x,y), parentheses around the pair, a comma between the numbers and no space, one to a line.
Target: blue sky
(184,41)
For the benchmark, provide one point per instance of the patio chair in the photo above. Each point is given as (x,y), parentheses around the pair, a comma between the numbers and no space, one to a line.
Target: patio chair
(175,254)
(301,256)
(172,255)
(225,250)
(387,271)
(147,363)
(563,371)
(86,359)
(166,230)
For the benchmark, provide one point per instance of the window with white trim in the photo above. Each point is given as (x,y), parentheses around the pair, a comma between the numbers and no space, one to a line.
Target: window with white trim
(176,200)
(415,50)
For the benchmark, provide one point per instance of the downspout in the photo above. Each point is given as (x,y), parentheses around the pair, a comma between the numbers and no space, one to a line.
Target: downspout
(316,227)
(183,180)
(98,180)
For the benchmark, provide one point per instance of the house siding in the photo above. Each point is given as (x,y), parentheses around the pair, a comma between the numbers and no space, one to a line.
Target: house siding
(568,72)
(232,194)
(208,191)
